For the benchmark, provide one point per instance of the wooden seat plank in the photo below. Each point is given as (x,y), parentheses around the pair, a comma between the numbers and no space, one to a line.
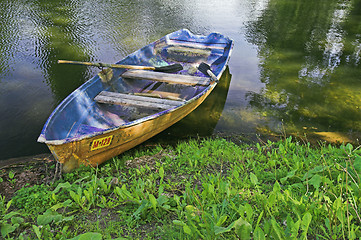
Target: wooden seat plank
(166,77)
(135,100)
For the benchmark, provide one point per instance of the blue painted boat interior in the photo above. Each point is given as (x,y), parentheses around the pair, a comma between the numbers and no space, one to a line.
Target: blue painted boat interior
(79,116)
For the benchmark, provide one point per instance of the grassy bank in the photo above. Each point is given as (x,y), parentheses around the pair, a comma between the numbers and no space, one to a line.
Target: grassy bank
(206,189)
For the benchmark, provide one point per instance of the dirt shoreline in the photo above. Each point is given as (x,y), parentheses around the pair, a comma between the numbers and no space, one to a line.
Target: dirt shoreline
(26,159)
(16,173)
(313,138)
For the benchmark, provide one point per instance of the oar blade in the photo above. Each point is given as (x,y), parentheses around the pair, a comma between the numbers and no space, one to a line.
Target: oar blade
(203,68)
(170,68)
(206,70)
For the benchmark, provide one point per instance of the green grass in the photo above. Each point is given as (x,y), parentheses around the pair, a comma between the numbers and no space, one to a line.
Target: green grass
(206,189)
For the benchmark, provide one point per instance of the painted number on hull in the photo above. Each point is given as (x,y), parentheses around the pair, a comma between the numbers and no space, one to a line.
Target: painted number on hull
(101,143)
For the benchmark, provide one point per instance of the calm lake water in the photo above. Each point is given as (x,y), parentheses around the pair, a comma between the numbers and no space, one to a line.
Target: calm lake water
(295,67)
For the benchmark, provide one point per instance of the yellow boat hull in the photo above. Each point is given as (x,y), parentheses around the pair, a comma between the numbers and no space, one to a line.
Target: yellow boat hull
(113,143)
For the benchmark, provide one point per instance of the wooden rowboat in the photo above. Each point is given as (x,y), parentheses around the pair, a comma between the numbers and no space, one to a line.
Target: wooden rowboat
(121,107)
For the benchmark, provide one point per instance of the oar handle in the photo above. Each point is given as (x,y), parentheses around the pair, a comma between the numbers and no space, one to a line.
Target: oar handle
(213,76)
(78,63)
(107,65)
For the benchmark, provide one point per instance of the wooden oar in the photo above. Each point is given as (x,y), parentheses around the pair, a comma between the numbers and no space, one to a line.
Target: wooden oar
(168,69)
(206,70)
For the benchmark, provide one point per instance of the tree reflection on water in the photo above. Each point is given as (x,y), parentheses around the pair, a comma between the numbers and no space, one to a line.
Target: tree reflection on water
(310,65)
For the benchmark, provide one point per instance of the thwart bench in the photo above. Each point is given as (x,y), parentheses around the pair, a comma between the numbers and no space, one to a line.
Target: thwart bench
(151,102)
(167,77)
(135,100)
